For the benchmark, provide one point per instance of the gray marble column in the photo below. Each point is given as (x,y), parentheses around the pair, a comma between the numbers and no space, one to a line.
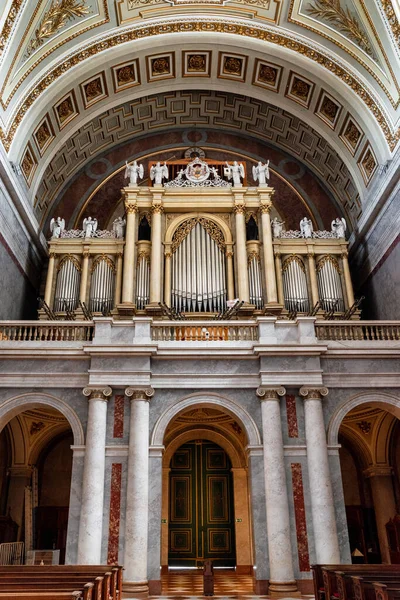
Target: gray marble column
(155,519)
(75,501)
(137,495)
(322,502)
(260,536)
(276,494)
(91,518)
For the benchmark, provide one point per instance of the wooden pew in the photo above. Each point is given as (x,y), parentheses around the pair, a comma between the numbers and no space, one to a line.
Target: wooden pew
(326,588)
(111,586)
(42,595)
(344,582)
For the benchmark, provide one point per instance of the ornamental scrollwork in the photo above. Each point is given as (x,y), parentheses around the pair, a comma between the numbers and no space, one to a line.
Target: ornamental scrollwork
(54,19)
(345,21)
(185,228)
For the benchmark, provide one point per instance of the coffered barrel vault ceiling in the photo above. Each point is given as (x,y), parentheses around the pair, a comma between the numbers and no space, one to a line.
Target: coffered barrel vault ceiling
(104,70)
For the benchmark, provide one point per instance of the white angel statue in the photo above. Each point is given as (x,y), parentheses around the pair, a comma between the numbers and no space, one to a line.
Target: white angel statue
(158,172)
(339,227)
(89,227)
(119,227)
(134,172)
(57,226)
(261,173)
(277,227)
(235,172)
(306,228)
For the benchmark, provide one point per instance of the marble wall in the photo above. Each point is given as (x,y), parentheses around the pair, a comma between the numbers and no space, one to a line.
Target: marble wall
(17,294)
(381,290)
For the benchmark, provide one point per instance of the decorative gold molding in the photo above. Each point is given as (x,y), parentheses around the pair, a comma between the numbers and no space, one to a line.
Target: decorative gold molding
(346,49)
(343,19)
(46,54)
(229,28)
(56,17)
(103,258)
(392,19)
(9,22)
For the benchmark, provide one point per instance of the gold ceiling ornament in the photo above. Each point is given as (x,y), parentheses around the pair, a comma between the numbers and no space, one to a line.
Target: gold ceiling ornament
(58,15)
(198,25)
(392,19)
(347,23)
(9,22)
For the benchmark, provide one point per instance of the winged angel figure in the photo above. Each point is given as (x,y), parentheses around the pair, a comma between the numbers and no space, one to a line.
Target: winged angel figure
(158,172)
(89,227)
(57,226)
(235,172)
(134,172)
(261,172)
(339,227)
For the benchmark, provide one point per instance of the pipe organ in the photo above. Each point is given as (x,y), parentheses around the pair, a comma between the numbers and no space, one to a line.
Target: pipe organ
(102,284)
(67,289)
(196,247)
(295,290)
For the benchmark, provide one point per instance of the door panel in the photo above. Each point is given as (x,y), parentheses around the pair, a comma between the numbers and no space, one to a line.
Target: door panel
(201,520)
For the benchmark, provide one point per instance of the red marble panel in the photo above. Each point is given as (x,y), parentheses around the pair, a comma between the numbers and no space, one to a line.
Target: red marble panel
(300,517)
(119,405)
(291,413)
(115,514)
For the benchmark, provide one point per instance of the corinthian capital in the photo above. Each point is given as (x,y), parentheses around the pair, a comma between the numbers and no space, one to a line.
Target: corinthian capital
(265,207)
(135,394)
(316,392)
(97,392)
(270,392)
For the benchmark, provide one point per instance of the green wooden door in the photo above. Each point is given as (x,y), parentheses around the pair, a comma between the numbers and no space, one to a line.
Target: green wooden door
(201,520)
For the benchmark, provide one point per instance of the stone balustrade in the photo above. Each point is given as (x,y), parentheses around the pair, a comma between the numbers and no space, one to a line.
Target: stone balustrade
(145,330)
(46,331)
(357,330)
(204,331)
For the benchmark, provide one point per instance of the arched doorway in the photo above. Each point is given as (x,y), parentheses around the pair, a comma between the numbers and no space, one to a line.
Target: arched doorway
(213,437)
(201,506)
(35,478)
(369,436)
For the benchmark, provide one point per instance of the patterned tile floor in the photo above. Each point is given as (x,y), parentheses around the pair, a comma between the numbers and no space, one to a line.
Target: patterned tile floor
(188,585)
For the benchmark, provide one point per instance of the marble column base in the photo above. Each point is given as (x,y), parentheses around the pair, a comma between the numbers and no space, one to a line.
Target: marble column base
(135,589)
(283,589)
(260,587)
(155,587)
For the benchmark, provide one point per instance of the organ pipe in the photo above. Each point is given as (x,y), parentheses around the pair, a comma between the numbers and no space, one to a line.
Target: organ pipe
(68,283)
(295,289)
(329,284)
(101,297)
(198,270)
(254,273)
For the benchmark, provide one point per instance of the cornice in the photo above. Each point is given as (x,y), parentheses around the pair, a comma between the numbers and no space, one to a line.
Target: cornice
(230,26)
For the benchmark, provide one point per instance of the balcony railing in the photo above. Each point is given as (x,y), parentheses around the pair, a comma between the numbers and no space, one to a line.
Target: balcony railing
(205,331)
(357,330)
(46,331)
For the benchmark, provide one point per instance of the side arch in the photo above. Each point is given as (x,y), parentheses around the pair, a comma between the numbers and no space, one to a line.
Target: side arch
(387,401)
(211,400)
(173,226)
(13,406)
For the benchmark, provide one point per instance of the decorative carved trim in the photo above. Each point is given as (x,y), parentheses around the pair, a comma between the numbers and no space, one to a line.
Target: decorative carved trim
(270,393)
(239,209)
(325,259)
(103,258)
(135,394)
(293,258)
(186,227)
(95,393)
(392,19)
(157,209)
(69,258)
(265,207)
(314,393)
(346,22)
(197,24)
(8,23)
(56,17)
(131,208)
